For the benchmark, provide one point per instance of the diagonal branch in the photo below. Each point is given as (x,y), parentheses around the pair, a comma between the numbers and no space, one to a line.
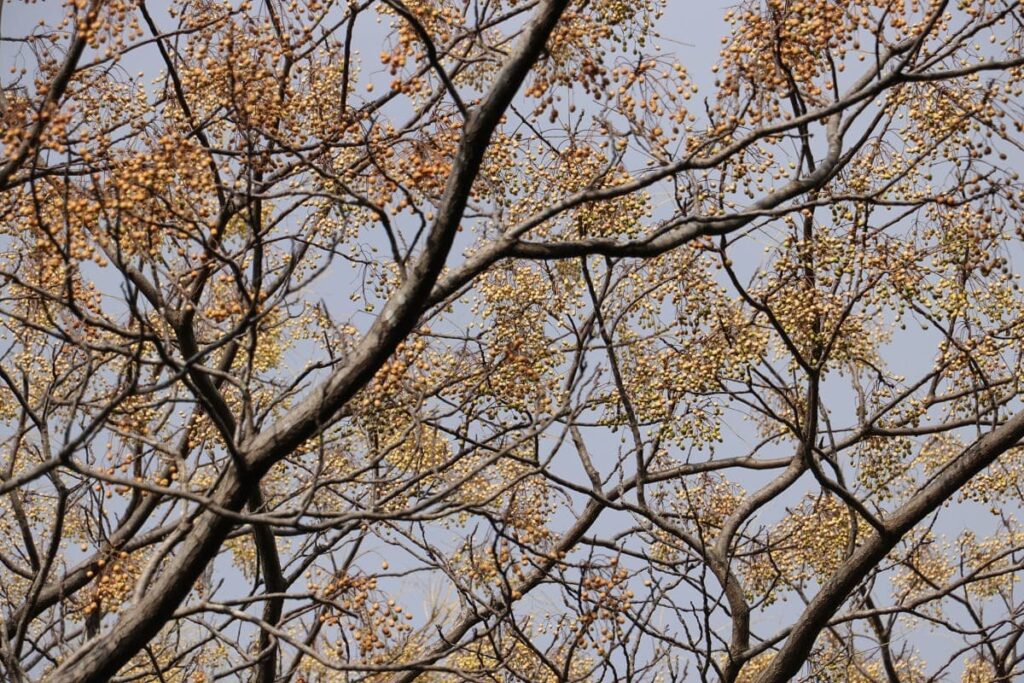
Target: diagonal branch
(975,458)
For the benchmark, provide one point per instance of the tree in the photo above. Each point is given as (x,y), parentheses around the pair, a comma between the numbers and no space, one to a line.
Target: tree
(506,353)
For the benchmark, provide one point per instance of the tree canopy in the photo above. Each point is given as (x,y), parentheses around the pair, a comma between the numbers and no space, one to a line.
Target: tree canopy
(489,340)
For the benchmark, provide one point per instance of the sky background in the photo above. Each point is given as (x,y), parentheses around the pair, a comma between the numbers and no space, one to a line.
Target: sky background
(692,29)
